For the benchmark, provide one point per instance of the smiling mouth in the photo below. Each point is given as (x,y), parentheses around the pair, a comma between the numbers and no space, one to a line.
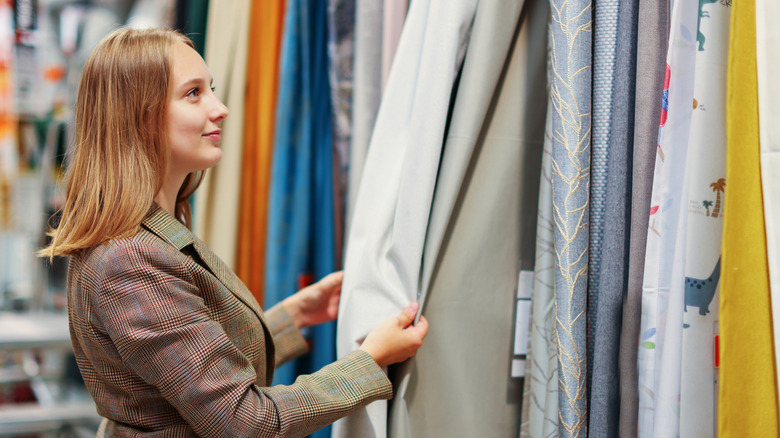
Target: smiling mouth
(213,135)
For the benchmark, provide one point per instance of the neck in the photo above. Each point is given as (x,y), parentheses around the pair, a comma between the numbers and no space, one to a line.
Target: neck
(166,197)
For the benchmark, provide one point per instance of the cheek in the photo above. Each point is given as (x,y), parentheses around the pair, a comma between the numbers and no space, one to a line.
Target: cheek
(183,130)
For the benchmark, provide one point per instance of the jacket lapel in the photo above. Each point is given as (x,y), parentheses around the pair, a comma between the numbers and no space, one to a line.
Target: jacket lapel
(165,226)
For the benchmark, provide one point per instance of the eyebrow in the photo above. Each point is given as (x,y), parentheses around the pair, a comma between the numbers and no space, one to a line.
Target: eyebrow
(194,81)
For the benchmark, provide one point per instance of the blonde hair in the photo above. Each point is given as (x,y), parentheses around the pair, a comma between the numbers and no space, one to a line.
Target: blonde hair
(121,156)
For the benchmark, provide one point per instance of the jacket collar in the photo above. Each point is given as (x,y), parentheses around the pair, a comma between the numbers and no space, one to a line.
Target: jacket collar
(168,228)
(161,223)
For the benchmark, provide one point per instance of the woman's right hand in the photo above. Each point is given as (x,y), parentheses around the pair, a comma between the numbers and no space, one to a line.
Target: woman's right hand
(395,339)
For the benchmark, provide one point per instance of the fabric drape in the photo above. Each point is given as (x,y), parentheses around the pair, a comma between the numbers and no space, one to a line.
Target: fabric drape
(605,24)
(265,35)
(571,58)
(747,404)
(768,70)
(341,44)
(385,242)
(301,229)
(540,392)
(216,215)
(707,172)
(660,352)
(191,16)
(604,391)
(393,16)
(366,93)
(652,40)
(486,195)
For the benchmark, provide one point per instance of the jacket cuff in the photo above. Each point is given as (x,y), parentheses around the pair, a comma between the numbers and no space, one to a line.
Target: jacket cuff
(366,374)
(288,340)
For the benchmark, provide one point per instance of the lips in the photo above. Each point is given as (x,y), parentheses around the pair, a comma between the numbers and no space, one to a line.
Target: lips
(215,135)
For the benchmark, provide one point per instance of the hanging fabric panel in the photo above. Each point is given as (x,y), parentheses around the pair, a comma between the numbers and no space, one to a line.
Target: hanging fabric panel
(301,228)
(486,198)
(605,23)
(191,16)
(571,37)
(747,403)
(604,393)
(707,173)
(366,93)
(652,39)
(385,242)
(540,392)
(341,46)
(768,66)
(393,16)
(265,35)
(663,294)
(216,216)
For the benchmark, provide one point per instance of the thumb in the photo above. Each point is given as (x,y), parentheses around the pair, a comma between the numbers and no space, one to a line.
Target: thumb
(422,327)
(407,315)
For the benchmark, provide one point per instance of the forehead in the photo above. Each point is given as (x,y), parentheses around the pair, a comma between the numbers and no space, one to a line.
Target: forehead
(187,65)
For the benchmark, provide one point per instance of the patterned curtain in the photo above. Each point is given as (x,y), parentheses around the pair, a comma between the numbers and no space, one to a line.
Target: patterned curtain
(571,38)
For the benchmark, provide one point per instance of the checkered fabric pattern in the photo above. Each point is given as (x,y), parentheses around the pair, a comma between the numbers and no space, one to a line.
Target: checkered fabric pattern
(171,343)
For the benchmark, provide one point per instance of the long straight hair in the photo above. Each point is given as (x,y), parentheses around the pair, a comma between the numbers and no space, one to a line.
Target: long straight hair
(121,156)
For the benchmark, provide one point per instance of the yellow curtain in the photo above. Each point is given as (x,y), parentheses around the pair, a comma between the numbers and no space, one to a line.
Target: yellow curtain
(265,34)
(747,404)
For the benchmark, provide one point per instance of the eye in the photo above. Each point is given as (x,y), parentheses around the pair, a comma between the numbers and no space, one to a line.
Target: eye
(194,93)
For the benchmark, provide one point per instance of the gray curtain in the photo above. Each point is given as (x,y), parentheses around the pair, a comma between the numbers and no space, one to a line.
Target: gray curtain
(613,282)
(652,39)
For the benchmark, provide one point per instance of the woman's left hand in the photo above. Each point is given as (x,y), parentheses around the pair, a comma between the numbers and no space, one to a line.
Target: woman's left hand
(316,303)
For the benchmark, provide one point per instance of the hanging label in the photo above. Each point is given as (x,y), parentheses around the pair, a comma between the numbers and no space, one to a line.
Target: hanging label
(525,287)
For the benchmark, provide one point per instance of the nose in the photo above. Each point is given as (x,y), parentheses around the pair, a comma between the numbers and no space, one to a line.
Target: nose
(219,111)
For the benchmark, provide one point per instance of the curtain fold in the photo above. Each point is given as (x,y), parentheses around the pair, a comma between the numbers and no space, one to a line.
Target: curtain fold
(707,172)
(387,234)
(301,223)
(660,347)
(265,33)
(486,195)
(540,392)
(652,41)
(367,93)
(747,404)
(768,70)
(605,388)
(571,58)
(216,215)
(605,24)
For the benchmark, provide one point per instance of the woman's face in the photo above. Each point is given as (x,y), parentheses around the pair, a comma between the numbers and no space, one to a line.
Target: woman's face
(194,114)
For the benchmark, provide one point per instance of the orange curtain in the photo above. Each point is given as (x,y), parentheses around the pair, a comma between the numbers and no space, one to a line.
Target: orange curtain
(265,34)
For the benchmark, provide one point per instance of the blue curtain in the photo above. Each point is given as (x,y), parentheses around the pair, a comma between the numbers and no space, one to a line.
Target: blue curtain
(301,241)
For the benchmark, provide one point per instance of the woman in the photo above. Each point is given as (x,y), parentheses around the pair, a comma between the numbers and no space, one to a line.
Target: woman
(168,340)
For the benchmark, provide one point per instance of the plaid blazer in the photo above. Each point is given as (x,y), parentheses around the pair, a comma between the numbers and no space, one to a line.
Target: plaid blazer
(171,344)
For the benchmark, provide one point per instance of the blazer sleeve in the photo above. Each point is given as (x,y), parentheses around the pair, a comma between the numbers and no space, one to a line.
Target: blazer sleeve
(151,308)
(288,339)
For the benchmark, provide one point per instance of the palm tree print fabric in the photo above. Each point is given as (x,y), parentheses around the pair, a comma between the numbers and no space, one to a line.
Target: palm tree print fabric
(706,191)
(571,43)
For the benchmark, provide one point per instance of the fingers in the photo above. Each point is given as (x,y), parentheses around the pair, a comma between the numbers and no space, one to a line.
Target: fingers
(407,315)
(333,279)
(421,328)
